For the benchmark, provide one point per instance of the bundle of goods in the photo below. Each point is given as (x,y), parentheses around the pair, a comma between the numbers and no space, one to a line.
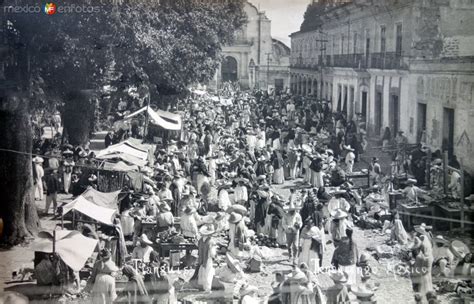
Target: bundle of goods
(264,240)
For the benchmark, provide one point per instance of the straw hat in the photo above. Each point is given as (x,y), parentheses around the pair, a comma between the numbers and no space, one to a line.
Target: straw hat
(92,178)
(165,207)
(292,207)
(239,209)
(109,267)
(348,148)
(235,218)
(338,277)
(459,249)
(38,160)
(439,239)
(411,181)
(339,214)
(144,240)
(262,194)
(207,230)
(421,229)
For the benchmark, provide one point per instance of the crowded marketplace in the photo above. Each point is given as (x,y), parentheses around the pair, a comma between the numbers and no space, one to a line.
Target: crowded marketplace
(241,188)
(232,187)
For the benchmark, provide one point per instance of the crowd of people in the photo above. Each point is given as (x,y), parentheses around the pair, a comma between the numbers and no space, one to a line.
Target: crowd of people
(218,177)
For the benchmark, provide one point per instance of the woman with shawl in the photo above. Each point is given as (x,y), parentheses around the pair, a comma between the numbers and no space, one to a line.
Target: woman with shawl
(346,257)
(199,174)
(278,173)
(261,211)
(103,290)
(135,290)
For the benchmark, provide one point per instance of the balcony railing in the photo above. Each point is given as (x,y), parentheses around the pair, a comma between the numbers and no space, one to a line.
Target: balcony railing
(384,61)
(390,61)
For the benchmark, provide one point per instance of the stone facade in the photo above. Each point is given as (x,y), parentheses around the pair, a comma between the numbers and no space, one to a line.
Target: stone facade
(255,60)
(404,64)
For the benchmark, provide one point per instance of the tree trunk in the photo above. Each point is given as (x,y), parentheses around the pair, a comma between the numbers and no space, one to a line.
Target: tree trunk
(18,209)
(79,116)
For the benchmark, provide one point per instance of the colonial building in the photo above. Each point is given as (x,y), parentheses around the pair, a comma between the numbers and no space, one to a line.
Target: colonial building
(403,64)
(255,60)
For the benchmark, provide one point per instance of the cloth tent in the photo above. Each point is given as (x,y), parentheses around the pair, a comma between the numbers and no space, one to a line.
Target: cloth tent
(101,214)
(164,119)
(127,147)
(72,247)
(102,199)
(119,166)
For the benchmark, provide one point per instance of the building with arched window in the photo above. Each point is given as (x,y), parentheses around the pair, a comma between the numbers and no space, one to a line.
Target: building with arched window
(255,59)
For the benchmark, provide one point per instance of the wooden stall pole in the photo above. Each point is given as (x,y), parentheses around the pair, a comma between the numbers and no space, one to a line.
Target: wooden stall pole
(54,241)
(445,171)
(428,170)
(73,219)
(462,194)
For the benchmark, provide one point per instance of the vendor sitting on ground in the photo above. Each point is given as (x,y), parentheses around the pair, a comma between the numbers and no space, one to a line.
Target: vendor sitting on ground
(442,254)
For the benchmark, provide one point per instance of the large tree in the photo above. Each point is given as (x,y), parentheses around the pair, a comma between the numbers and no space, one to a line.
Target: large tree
(116,48)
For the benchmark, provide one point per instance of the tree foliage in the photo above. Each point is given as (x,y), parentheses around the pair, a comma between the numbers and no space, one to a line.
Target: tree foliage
(157,46)
(312,17)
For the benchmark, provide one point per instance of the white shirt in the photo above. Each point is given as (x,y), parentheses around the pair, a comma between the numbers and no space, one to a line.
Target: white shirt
(189,226)
(142,253)
(240,193)
(350,157)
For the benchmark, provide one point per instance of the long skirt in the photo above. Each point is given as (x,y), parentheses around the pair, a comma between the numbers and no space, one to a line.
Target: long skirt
(281,235)
(278,176)
(317,179)
(287,172)
(308,256)
(200,180)
(205,276)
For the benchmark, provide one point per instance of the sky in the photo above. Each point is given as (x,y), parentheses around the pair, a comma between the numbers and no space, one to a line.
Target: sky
(286,16)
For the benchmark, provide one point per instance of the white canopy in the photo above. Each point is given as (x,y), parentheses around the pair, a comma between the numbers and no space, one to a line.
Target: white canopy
(166,120)
(98,213)
(73,248)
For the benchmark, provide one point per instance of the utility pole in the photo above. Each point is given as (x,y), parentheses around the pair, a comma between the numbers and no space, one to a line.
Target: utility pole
(322,49)
(268,68)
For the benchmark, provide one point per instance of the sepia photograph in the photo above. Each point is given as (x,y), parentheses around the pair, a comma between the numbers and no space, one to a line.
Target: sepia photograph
(236,151)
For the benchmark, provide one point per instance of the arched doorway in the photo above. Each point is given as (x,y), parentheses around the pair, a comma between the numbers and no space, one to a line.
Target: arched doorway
(229,69)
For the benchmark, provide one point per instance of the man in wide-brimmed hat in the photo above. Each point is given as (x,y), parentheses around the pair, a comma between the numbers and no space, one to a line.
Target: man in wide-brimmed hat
(237,234)
(38,176)
(68,165)
(143,251)
(350,158)
(292,224)
(241,192)
(338,293)
(206,252)
(411,191)
(338,225)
